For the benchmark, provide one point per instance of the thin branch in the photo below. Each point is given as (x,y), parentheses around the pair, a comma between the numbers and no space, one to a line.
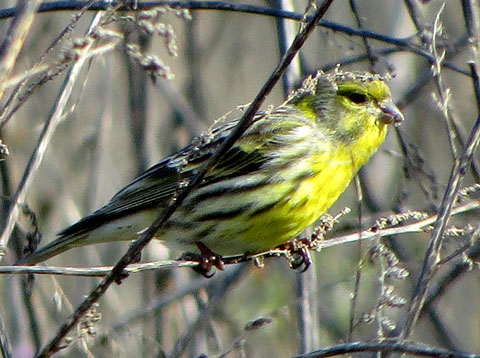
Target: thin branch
(189,288)
(372,57)
(450,277)
(285,35)
(31,311)
(404,43)
(358,272)
(178,101)
(444,95)
(441,331)
(418,19)
(5,347)
(218,294)
(471,13)
(43,141)
(387,346)
(46,73)
(98,271)
(416,227)
(420,226)
(41,70)
(15,38)
(65,5)
(459,170)
(305,282)
(137,105)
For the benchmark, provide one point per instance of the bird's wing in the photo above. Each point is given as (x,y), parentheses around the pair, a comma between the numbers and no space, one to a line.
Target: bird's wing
(156,186)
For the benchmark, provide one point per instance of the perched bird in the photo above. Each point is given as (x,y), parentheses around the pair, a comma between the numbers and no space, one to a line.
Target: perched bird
(286,170)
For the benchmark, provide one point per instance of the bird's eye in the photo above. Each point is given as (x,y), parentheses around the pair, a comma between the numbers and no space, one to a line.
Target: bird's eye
(356,97)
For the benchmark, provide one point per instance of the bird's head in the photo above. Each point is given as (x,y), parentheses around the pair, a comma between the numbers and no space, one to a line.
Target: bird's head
(345,104)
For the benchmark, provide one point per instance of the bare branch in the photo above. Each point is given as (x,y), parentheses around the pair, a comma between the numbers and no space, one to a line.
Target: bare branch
(387,346)
(432,255)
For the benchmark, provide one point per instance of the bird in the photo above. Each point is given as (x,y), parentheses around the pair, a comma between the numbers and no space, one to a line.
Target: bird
(285,171)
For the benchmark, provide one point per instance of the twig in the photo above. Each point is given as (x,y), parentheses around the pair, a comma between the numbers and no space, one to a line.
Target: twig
(43,71)
(137,105)
(404,43)
(416,14)
(181,105)
(440,330)
(5,347)
(459,170)
(371,233)
(444,94)
(305,282)
(189,288)
(416,227)
(450,277)
(31,311)
(358,271)
(372,57)
(218,294)
(44,139)
(46,73)
(387,346)
(99,271)
(15,38)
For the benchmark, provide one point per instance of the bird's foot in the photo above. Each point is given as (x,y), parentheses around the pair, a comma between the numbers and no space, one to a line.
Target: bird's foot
(206,260)
(297,253)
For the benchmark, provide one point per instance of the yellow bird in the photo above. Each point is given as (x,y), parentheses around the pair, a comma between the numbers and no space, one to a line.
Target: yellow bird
(286,170)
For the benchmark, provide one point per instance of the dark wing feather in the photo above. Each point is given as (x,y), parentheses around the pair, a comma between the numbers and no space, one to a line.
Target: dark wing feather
(152,189)
(155,187)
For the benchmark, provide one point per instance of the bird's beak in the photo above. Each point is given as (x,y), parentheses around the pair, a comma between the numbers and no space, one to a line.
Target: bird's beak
(391,114)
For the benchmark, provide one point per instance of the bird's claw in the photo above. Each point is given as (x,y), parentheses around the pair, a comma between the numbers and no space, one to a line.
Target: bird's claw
(206,260)
(297,253)
(303,258)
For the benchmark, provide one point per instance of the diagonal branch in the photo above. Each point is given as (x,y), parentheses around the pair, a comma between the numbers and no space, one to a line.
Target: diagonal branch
(117,274)
(15,38)
(432,255)
(44,139)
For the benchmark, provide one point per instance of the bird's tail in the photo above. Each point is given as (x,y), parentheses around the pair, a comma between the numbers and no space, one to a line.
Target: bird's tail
(54,248)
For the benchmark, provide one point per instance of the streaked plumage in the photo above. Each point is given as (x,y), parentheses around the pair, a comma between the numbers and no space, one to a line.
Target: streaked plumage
(286,170)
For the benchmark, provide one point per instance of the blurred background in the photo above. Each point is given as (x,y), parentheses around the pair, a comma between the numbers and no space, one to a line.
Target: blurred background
(121,118)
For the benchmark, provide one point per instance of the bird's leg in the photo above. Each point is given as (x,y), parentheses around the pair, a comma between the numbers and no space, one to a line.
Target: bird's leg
(305,259)
(297,253)
(206,260)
